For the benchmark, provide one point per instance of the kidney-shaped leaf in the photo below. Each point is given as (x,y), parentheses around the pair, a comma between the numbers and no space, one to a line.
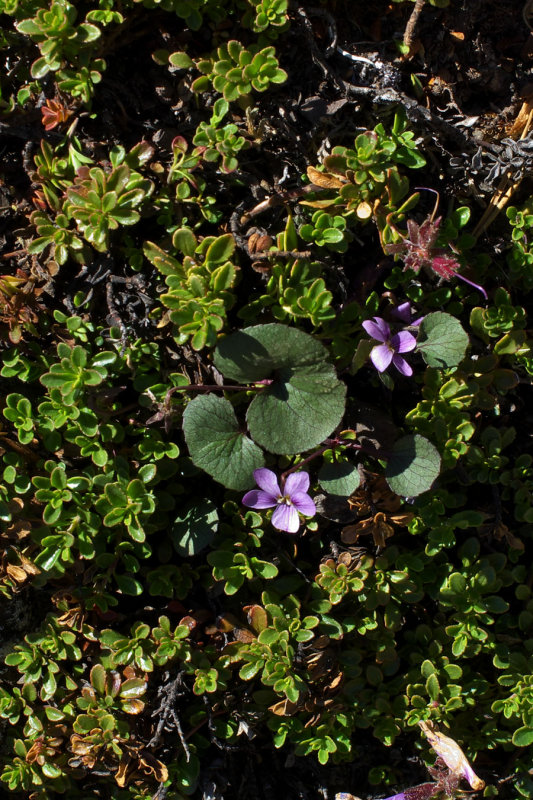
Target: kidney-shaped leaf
(304,401)
(339,479)
(195,527)
(413,466)
(442,340)
(217,445)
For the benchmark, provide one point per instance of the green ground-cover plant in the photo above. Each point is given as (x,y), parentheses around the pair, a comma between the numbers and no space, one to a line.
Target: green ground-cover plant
(78,200)
(295,289)
(199,295)
(365,181)
(69,44)
(235,70)
(519,256)
(219,143)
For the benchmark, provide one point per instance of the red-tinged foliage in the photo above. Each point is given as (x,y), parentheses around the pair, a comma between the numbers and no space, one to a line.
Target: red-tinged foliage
(53,114)
(418,249)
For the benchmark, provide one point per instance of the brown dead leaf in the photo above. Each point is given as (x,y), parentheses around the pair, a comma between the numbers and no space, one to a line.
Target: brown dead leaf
(16,574)
(228,623)
(257,617)
(522,121)
(284,708)
(381,526)
(324,179)
(152,766)
(502,533)
(124,770)
(325,203)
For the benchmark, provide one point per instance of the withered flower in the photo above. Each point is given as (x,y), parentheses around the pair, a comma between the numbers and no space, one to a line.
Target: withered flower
(379,508)
(452,755)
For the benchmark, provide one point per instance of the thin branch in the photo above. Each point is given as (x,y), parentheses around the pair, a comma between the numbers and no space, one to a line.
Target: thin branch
(14,253)
(410,28)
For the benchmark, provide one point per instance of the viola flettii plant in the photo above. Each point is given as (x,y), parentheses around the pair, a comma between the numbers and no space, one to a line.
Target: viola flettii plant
(241,324)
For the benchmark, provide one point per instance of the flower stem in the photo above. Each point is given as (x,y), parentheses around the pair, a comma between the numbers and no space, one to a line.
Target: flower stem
(213,387)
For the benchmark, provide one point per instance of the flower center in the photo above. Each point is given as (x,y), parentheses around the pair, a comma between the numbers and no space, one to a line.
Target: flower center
(284,500)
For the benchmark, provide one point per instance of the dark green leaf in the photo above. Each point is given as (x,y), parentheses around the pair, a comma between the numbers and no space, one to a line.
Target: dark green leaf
(221,249)
(413,466)
(98,678)
(185,241)
(217,445)
(304,402)
(133,687)
(128,585)
(433,687)
(442,340)
(339,479)
(523,737)
(115,495)
(180,60)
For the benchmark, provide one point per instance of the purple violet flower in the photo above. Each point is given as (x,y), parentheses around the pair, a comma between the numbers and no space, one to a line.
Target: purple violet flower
(288,503)
(404,312)
(383,354)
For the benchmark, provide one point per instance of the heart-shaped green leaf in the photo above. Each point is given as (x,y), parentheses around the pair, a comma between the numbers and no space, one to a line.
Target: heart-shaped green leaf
(217,445)
(303,403)
(340,479)
(413,466)
(442,340)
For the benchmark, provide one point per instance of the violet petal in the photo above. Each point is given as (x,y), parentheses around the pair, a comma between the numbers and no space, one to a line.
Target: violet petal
(470,776)
(381,356)
(304,504)
(402,365)
(296,482)
(285,518)
(378,329)
(258,499)
(403,342)
(403,312)
(267,480)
